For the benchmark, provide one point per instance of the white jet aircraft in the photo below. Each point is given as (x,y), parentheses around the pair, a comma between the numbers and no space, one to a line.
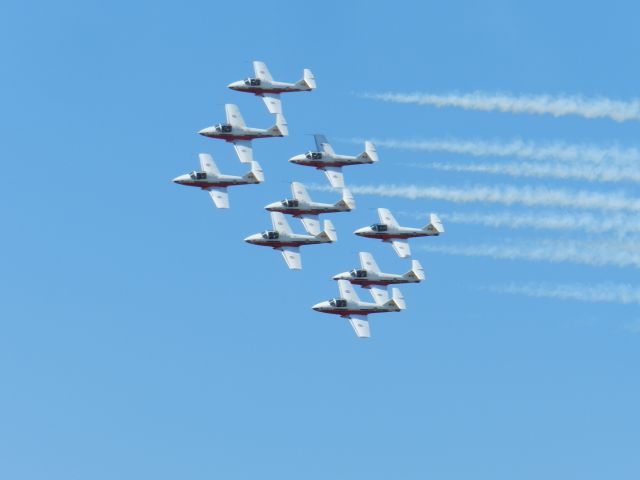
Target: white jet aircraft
(282,238)
(236,132)
(266,87)
(369,274)
(351,307)
(388,230)
(302,207)
(210,179)
(326,159)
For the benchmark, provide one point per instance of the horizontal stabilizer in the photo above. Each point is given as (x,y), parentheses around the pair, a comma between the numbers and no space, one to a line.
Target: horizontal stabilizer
(347,202)
(370,152)
(329,233)
(397,299)
(280,129)
(256,174)
(416,272)
(308,80)
(435,225)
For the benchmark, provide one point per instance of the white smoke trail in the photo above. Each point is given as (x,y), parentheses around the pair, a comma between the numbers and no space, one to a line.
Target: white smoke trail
(593,173)
(556,105)
(507,195)
(607,292)
(518,148)
(599,254)
(587,222)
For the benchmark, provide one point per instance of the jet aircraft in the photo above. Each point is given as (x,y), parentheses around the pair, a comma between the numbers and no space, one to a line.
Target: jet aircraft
(211,180)
(369,274)
(301,206)
(282,238)
(266,87)
(236,132)
(326,159)
(388,230)
(350,306)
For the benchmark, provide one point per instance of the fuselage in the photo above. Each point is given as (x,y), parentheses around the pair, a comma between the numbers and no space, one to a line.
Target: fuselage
(260,87)
(297,208)
(204,180)
(231,134)
(385,232)
(322,160)
(335,307)
(275,239)
(365,278)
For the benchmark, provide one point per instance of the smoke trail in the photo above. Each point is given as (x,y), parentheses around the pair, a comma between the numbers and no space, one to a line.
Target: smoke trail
(519,148)
(599,254)
(582,172)
(545,221)
(607,292)
(556,105)
(507,195)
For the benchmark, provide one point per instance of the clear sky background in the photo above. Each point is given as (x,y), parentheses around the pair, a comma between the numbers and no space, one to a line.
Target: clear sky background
(142,338)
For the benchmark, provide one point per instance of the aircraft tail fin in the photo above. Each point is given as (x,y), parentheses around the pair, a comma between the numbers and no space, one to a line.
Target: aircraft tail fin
(435,226)
(280,129)
(416,272)
(256,174)
(329,233)
(397,300)
(370,152)
(347,201)
(308,80)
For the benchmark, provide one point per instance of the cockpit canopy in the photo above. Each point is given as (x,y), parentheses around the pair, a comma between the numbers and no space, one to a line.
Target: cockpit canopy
(338,302)
(290,203)
(358,273)
(313,155)
(198,175)
(379,227)
(223,127)
(253,82)
(271,235)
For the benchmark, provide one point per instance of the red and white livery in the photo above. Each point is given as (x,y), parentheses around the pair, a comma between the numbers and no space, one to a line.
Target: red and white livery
(389,230)
(263,85)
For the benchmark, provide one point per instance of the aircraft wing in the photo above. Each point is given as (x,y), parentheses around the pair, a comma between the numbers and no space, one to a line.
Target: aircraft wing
(387,218)
(299,192)
(219,196)
(208,165)
(262,72)
(380,295)
(280,223)
(273,102)
(311,224)
(323,145)
(347,292)
(234,118)
(334,174)
(360,325)
(244,150)
(402,248)
(368,263)
(292,256)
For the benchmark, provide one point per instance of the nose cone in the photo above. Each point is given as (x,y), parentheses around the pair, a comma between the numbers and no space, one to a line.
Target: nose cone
(179,179)
(235,85)
(252,238)
(361,231)
(272,206)
(341,276)
(318,306)
(297,158)
(207,131)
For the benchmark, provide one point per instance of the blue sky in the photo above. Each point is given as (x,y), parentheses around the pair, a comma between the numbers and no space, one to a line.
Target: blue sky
(141,338)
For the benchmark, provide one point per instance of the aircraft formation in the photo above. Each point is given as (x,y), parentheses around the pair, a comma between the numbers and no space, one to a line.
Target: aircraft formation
(281,237)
